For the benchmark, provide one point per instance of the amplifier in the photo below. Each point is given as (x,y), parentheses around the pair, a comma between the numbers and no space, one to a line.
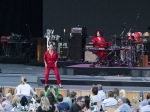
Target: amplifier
(76,30)
(88,55)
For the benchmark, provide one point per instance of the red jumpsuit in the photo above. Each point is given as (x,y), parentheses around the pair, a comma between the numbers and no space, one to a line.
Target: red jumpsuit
(50,61)
(95,40)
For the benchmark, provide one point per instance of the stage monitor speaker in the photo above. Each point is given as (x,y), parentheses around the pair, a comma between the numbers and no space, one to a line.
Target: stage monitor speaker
(76,51)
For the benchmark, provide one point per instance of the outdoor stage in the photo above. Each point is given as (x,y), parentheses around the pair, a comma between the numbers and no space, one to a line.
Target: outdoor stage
(78,76)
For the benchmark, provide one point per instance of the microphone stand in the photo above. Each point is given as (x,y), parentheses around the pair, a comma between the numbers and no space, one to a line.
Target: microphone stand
(29,32)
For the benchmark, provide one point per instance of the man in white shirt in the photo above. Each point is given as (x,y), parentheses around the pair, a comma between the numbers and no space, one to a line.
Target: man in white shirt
(101,93)
(146,108)
(7,103)
(94,97)
(110,101)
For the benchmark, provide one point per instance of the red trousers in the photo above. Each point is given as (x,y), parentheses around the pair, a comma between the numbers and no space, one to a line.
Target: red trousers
(55,72)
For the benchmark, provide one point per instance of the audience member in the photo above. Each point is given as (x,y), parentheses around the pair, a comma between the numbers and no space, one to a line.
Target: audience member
(110,101)
(45,105)
(38,99)
(146,108)
(24,89)
(51,99)
(71,98)
(145,102)
(15,101)
(116,93)
(1,99)
(76,107)
(86,106)
(94,97)
(7,103)
(122,93)
(62,105)
(53,90)
(123,106)
(12,91)
(101,93)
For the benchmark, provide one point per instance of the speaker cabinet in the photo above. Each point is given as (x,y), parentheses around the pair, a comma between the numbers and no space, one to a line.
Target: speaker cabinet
(142,60)
(76,51)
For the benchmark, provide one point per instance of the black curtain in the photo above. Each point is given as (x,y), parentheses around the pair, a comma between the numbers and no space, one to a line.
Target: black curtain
(15,14)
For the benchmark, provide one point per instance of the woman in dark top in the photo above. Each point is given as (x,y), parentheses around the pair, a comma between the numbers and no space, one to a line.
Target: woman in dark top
(45,105)
(87,104)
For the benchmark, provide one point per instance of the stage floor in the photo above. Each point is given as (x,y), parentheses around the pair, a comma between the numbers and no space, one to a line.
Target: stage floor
(11,73)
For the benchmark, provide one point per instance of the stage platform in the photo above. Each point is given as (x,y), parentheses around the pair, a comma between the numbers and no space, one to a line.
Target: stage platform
(85,69)
(11,74)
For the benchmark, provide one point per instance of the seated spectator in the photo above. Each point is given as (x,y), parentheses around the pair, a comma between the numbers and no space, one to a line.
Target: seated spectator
(146,108)
(71,98)
(52,89)
(86,106)
(25,89)
(76,107)
(51,99)
(1,99)
(110,101)
(15,101)
(45,105)
(2,91)
(116,93)
(38,99)
(123,106)
(101,93)
(145,102)
(7,103)
(12,91)
(122,93)
(62,105)
(94,97)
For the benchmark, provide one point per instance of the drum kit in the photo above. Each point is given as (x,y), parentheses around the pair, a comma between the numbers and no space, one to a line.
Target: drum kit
(131,46)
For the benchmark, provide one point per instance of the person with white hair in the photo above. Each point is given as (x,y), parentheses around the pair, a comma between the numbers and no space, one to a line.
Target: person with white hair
(101,94)
(123,106)
(25,89)
(7,103)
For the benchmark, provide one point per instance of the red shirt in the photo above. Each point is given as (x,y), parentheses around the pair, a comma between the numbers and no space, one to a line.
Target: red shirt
(96,39)
(50,59)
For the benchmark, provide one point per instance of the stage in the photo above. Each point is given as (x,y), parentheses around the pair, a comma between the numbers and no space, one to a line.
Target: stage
(11,73)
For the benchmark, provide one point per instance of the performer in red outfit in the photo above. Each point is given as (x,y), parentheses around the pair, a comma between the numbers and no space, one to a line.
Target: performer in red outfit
(99,38)
(50,60)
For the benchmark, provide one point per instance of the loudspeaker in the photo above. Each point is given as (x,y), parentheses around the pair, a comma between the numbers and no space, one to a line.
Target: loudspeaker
(142,60)
(76,51)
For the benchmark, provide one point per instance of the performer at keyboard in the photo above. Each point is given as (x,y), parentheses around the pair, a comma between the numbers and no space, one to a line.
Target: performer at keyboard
(99,37)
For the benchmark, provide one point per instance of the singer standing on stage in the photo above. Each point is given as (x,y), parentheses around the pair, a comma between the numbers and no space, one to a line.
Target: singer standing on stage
(99,38)
(50,60)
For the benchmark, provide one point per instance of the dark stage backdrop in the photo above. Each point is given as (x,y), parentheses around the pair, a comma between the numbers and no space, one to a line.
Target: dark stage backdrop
(15,14)
(107,15)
